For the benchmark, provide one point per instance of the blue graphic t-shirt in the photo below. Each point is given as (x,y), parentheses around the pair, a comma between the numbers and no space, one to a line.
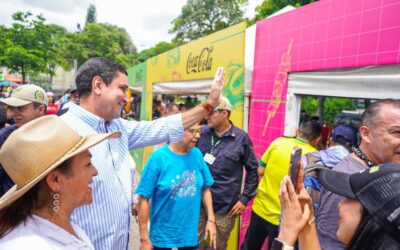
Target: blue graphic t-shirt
(174,183)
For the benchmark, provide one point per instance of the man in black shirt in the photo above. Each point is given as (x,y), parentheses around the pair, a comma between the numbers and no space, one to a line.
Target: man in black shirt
(226,149)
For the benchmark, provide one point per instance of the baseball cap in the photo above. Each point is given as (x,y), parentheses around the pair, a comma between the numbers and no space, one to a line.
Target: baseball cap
(224,104)
(26,94)
(377,188)
(73,89)
(347,131)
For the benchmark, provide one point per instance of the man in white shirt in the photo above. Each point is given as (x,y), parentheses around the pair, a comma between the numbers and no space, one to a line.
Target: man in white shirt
(102,84)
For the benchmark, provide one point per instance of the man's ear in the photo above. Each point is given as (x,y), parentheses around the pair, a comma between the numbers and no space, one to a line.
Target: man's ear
(297,133)
(97,84)
(315,141)
(364,134)
(42,109)
(225,113)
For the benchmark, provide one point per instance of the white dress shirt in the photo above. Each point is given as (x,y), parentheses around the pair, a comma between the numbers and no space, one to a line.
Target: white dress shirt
(107,219)
(41,234)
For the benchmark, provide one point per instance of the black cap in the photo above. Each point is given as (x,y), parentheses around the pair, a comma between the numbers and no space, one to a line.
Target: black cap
(348,132)
(73,89)
(377,188)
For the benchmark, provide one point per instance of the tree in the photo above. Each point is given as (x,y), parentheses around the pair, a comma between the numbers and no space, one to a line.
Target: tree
(91,15)
(332,106)
(156,50)
(102,40)
(269,7)
(30,46)
(60,55)
(203,17)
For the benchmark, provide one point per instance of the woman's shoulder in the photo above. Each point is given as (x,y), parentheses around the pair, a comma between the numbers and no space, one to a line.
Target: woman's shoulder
(196,152)
(23,237)
(37,233)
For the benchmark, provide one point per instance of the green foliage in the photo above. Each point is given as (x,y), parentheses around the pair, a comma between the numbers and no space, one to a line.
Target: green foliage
(30,46)
(156,50)
(333,106)
(269,7)
(199,18)
(103,40)
(91,15)
(310,105)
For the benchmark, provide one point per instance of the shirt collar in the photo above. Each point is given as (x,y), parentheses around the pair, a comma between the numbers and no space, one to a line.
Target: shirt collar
(50,230)
(298,139)
(230,132)
(88,117)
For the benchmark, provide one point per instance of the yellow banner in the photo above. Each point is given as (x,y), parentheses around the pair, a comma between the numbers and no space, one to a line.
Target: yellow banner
(200,59)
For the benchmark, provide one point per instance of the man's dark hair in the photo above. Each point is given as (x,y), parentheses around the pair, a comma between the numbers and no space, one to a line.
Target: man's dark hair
(310,129)
(105,68)
(369,117)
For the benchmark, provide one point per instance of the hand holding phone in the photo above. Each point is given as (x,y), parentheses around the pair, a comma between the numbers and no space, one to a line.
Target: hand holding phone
(294,165)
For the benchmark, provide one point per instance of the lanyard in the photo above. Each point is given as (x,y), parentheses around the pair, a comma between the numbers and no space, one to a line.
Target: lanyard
(214,145)
(360,154)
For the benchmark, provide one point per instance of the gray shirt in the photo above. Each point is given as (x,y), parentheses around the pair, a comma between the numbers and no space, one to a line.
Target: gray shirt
(328,215)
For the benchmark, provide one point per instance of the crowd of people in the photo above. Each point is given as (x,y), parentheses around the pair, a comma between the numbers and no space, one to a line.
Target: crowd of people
(67,181)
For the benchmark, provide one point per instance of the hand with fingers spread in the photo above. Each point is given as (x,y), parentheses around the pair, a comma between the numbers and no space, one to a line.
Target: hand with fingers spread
(237,209)
(216,88)
(211,233)
(294,219)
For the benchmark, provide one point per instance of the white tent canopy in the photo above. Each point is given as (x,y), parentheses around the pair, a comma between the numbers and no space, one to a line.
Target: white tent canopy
(373,82)
(184,87)
(370,82)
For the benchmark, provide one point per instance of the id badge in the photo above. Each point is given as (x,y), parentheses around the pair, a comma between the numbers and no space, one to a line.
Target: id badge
(209,158)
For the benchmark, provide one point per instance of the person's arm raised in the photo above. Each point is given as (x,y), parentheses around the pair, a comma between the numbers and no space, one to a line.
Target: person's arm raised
(196,114)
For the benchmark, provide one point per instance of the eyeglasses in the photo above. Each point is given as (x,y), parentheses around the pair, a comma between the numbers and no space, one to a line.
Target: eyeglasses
(195,131)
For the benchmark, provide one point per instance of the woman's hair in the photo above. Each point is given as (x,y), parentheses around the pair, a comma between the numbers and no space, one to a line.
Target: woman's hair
(37,197)
(370,236)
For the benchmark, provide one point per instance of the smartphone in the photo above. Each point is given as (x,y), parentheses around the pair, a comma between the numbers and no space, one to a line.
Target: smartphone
(294,165)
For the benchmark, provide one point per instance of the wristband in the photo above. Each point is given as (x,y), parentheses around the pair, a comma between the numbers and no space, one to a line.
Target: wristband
(280,245)
(207,106)
(212,221)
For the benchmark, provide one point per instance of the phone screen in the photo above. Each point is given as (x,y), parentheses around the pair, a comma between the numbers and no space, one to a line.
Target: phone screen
(294,165)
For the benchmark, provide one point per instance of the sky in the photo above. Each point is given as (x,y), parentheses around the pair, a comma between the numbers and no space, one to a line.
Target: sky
(146,21)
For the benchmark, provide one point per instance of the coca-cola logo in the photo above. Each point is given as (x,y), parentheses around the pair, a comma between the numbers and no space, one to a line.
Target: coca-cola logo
(201,62)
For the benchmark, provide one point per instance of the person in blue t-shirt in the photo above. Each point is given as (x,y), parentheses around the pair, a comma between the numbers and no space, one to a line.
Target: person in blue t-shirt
(175,178)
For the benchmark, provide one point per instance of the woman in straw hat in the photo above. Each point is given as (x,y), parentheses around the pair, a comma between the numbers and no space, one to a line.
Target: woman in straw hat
(50,182)
(369,216)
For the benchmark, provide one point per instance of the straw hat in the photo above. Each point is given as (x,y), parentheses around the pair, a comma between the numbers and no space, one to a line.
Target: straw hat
(37,148)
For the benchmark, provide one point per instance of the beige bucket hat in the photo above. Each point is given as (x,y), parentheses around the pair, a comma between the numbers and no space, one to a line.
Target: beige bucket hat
(37,148)
(26,94)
